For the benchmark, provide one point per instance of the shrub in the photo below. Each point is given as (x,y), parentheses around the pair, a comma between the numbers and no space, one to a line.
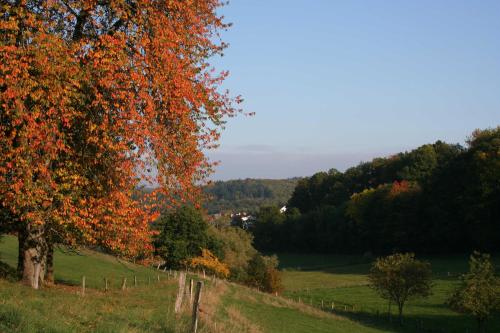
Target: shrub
(236,249)
(210,262)
(262,273)
(479,291)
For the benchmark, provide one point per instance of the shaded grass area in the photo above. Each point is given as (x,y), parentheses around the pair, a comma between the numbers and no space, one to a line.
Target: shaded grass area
(70,266)
(294,261)
(345,285)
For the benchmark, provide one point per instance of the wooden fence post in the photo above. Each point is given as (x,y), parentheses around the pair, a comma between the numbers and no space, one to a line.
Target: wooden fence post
(135,281)
(196,306)
(158,278)
(191,291)
(105,284)
(124,283)
(180,293)
(83,285)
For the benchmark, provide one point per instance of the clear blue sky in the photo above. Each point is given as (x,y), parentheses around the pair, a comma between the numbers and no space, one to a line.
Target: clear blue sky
(334,83)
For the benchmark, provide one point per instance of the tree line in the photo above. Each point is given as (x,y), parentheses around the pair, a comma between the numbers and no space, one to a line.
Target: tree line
(438,198)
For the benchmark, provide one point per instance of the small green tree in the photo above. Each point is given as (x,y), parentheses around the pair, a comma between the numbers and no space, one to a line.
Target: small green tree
(183,233)
(479,291)
(399,277)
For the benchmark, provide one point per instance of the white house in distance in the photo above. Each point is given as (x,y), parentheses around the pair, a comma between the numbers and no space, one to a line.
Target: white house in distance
(283,209)
(242,220)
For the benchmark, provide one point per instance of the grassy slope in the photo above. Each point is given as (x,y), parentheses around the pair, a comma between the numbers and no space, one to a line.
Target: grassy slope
(267,313)
(61,308)
(146,308)
(226,307)
(71,266)
(342,280)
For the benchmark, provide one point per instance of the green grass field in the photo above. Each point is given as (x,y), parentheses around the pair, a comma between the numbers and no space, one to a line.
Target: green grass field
(226,307)
(70,266)
(342,280)
(146,308)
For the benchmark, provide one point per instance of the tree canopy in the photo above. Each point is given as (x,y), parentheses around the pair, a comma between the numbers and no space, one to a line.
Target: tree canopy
(182,235)
(96,98)
(399,277)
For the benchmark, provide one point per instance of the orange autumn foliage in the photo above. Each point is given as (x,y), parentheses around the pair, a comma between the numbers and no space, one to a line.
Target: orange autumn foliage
(99,97)
(209,261)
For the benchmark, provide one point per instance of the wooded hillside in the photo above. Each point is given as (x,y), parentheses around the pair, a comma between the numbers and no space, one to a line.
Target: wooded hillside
(439,198)
(247,194)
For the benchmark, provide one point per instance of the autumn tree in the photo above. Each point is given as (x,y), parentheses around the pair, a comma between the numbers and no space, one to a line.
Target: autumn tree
(97,97)
(399,277)
(479,291)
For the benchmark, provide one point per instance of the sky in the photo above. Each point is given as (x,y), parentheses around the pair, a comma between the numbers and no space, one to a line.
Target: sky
(334,83)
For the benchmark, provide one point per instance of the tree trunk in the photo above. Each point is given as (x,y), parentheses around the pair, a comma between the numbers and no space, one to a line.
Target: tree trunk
(49,273)
(389,311)
(34,251)
(400,314)
(480,325)
(21,238)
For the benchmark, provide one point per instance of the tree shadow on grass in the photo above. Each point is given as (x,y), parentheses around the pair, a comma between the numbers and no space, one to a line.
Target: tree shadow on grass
(7,272)
(66,282)
(419,324)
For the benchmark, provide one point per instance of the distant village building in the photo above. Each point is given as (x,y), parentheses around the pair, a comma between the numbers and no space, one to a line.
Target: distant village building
(242,220)
(283,209)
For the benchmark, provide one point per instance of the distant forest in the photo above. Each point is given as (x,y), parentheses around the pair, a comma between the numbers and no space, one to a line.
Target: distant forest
(247,194)
(438,198)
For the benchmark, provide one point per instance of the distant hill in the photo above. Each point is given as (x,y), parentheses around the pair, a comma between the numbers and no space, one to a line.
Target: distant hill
(247,194)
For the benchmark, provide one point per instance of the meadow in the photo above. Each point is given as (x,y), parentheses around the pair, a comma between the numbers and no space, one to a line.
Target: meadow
(225,307)
(320,280)
(147,307)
